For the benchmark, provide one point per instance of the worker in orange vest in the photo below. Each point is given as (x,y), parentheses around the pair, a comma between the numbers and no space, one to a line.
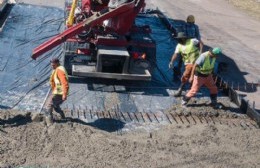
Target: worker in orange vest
(60,87)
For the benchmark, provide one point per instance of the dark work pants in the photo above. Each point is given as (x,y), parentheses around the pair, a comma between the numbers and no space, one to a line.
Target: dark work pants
(177,69)
(55,103)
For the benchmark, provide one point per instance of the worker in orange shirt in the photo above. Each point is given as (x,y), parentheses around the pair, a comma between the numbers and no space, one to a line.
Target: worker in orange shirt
(60,87)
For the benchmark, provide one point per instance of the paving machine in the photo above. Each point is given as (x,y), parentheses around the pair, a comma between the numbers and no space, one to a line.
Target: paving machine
(101,40)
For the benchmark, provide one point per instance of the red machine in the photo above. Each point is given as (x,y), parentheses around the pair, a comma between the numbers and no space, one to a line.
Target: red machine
(102,40)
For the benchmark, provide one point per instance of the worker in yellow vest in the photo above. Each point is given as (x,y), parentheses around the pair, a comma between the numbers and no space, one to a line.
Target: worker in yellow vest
(187,48)
(202,75)
(60,87)
(191,31)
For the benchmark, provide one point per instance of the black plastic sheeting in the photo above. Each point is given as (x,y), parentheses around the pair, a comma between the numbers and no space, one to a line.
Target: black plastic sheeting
(24,82)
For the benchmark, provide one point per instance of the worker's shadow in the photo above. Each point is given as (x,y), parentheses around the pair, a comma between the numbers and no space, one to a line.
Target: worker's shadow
(105,124)
(220,106)
(17,120)
(4,107)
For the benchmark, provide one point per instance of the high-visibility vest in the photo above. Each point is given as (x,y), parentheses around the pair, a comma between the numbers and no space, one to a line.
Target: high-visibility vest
(190,53)
(208,66)
(54,77)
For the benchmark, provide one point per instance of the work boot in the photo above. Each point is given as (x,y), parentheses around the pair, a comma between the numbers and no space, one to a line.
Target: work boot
(184,101)
(60,112)
(213,103)
(62,115)
(179,91)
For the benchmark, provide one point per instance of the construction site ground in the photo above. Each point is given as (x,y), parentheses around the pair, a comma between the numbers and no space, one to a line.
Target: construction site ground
(133,124)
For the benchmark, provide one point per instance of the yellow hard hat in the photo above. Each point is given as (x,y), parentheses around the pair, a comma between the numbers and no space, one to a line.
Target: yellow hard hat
(191,19)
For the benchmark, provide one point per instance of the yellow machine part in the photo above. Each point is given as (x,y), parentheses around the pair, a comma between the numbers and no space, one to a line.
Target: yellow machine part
(70,19)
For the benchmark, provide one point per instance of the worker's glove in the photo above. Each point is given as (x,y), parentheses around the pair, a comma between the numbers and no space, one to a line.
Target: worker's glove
(170,65)
(191,79)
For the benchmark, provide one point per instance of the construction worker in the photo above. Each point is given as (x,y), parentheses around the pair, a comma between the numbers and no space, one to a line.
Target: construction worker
(202,75)
(191,31)
(60,87)
(186,47)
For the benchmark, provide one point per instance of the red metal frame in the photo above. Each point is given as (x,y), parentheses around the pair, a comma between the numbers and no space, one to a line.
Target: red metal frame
(121,18)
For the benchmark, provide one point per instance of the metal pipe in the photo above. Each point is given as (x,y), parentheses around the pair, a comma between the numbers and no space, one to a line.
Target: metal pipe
(70,20)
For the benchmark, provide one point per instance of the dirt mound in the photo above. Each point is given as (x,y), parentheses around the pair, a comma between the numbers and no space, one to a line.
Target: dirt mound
(75,144)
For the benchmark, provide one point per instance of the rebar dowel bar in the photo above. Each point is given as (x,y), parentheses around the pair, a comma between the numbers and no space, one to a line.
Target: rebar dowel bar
(181,119)
(206,120)
(136,118)
(90,112)
(199,119)
(123,116)
(84,113)
(149,117)
(73,107)
(117,112)
(187,119)
(212,120)
(129,116)
(71,113)
(156,118)
(109,114)
(193,119)
(97,115)
(174,118)
(168,118)
(142,116)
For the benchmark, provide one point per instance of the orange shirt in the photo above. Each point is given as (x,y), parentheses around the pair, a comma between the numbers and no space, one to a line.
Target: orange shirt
(63,80)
